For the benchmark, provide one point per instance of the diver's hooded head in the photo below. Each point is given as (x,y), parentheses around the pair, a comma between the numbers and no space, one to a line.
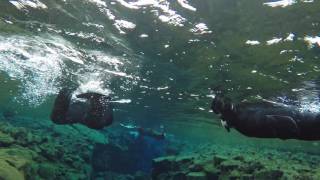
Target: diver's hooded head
(223,107)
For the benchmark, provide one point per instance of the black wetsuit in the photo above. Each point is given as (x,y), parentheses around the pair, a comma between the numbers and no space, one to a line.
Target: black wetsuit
(92,109)
(268,120)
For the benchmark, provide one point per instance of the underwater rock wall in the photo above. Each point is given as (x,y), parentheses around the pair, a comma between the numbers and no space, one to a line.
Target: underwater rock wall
(35,149)
(218,162)
(46,151)
(129,156)
(30,154)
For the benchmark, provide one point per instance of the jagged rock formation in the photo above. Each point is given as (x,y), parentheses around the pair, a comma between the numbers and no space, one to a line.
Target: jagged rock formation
(29,154)
(35,151)
(236,164)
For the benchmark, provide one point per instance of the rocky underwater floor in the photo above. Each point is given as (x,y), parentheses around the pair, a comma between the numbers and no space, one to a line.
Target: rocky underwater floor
(31,149)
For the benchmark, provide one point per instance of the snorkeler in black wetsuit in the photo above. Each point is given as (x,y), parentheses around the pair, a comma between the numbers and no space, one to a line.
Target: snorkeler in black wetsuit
(91,109)
(267,119)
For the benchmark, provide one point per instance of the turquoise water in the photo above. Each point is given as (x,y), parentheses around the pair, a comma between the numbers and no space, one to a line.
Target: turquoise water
(159,61)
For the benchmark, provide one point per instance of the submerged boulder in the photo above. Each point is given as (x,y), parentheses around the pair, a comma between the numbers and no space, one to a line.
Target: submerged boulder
(269,174)
(108,157)
(47,171)
(31,154)
(8,172)
(196,176)
(5,140)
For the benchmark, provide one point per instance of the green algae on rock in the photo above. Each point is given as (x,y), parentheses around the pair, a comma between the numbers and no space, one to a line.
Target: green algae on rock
(29,154)
(8,172)
(5,140)
(218,164)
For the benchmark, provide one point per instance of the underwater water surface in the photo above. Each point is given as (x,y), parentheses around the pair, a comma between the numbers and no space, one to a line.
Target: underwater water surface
(160,61)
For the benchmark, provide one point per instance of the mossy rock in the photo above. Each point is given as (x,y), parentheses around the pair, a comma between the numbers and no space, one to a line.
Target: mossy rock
(217,160)
(179,176)
(197,176)
(196,167)
(267,174)
(47,171)
(8,172)
(30,171)
(236,174)
(230,165)
(184,159)
(5,140)
(19,151)
(211,171)
(252,166)
(163,164)
(16,157)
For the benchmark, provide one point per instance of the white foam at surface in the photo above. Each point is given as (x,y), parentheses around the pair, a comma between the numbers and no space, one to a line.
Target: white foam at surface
(37,62)
(164,13)
(123,25)
(98,26)
(211,96)
(120,24)
(308,98)
(102,6)
(8,22)
(113,61)
(310,106)
(99,2)
(21,4)
(93,85)
(161,9)
(252,42)
(281,3)
(200,28)
(286,3)
(144,35)
(140,3)
(123,101)
(127,5)
(83,35)
(174,19)
(185,4)
(162,88)
(274,41)
(122,74)
(290,37)
(312,41)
